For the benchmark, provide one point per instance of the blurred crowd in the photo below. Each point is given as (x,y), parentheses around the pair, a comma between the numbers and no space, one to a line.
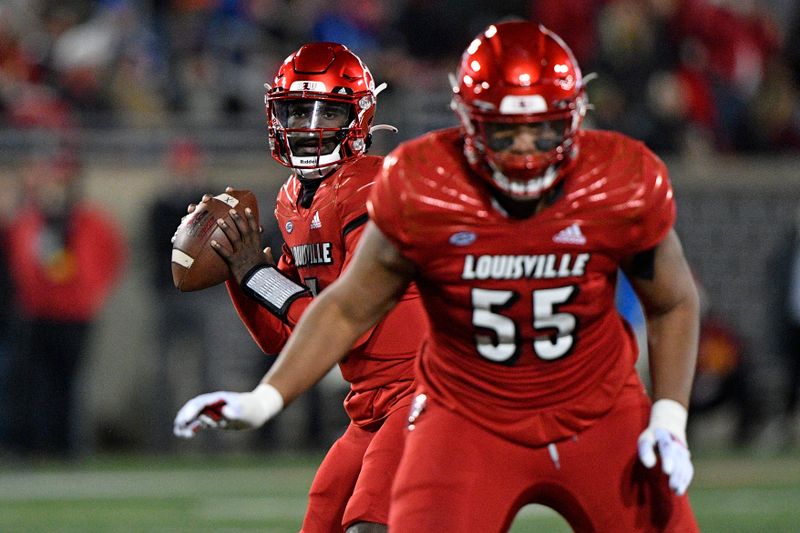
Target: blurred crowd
(682,75)
(688,77)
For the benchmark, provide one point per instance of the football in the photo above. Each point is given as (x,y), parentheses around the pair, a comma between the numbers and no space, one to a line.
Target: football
(195,264)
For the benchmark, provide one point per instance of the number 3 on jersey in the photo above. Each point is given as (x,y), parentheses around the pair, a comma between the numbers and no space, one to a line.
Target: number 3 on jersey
(486,304)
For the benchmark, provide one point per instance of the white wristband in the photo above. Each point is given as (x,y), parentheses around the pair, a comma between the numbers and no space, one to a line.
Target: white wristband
(272,288)
(670,415)
(269,399)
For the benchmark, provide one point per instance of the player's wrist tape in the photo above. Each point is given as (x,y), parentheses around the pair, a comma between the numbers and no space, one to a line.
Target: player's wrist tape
(670,415)
(269,400)
(272,289)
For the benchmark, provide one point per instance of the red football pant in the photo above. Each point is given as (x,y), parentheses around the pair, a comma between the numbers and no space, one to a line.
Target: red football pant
(456,476)
(353,483)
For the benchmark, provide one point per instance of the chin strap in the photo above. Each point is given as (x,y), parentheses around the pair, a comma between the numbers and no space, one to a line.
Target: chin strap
(309,174)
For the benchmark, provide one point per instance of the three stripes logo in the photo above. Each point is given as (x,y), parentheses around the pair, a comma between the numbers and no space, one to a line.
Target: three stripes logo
(570,235)
(315,222)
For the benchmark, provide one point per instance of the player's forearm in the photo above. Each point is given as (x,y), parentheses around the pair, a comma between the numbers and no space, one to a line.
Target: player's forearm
(325,334)
(266,329)
(672,343)
(369,288)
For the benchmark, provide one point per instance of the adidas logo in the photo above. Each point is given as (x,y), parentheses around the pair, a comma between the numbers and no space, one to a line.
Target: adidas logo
(570,235)
(315,222)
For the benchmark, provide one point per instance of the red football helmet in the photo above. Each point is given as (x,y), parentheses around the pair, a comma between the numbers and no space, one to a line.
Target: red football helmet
(519,84)
(320,107)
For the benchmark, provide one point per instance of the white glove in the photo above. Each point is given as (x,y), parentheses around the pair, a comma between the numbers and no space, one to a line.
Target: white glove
(667,431)
(228,410)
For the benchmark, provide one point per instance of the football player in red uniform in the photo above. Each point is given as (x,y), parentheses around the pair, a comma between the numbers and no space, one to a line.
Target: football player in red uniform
(320,110)
(514,227)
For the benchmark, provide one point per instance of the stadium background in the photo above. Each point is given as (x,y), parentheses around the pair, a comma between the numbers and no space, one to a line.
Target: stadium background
(711,85)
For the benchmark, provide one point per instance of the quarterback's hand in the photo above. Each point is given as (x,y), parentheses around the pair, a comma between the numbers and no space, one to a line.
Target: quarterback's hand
(244,236)
(667,434)
(190,209)
(228,410)
(206,197)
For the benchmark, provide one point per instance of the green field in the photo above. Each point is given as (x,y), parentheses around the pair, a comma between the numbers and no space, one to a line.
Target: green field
(730,494)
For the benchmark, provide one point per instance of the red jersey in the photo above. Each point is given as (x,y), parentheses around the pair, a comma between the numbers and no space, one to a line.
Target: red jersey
(65,281)
(319,244)
(525,337)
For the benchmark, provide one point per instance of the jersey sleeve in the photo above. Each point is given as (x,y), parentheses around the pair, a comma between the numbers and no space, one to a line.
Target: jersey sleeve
(386,201)
(354,216)
(267,330)
(287,265)
(657,212)
(352,194)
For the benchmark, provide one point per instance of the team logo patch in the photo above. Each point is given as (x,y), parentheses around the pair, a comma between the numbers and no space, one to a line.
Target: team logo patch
(462,238)
(302,85)
(289,226)
(532,103)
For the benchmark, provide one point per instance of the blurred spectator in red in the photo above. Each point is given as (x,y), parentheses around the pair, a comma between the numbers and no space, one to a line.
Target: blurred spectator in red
(64,257)
(701,111)
(739,41)
(739,38)
(16,63)
(39,106)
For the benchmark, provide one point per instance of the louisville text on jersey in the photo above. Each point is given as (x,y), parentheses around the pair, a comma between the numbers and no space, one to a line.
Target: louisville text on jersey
(315,253)
(544,266)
